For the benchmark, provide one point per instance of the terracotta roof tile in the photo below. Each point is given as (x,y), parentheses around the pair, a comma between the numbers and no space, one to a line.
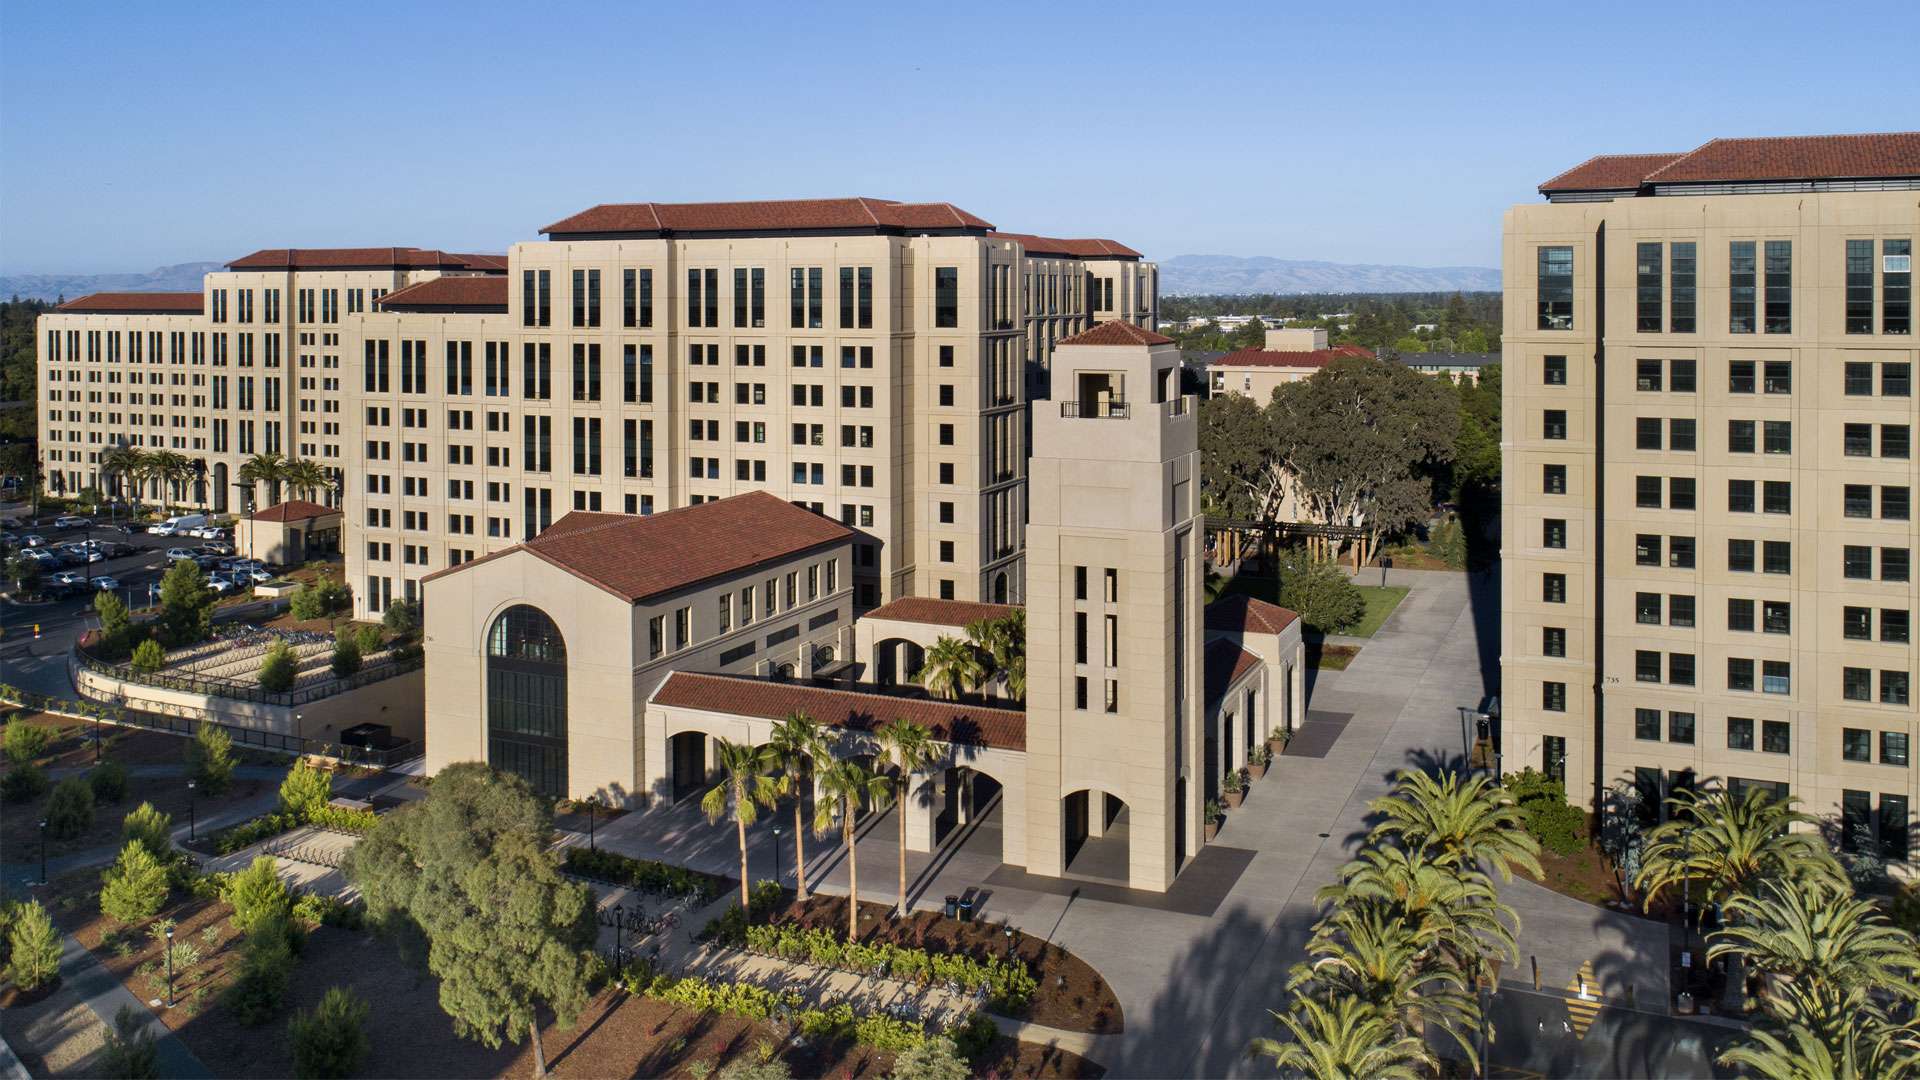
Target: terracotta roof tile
(470,293)
(766,215)
(1609,172)
(1242,614)
(1090,248)
(922,609)
(135,303)
(950,722)
(293,510)
(396,258)
(1226,663)
(1117,332)
(636,557)
(1801,157)
(1316,358)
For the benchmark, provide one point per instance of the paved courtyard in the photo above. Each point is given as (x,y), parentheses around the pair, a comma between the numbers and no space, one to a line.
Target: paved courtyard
(1197,978)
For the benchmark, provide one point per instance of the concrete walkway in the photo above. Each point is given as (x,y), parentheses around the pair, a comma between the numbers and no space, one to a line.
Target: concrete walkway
(27,870)
(105,996)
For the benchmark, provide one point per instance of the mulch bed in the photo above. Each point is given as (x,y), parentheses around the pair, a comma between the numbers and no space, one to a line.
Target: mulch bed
(1071,995)
(1330,657)
(12,997)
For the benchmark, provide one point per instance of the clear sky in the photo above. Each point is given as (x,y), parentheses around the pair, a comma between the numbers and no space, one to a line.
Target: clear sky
(135,135)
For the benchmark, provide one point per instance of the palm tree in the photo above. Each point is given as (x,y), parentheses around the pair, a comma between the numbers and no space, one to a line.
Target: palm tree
(1369,954)
(1811,1034)
(1004,642)
(846,786)
(797,745)
(1342,1039)
(305,476)
(125,467)
(1465,823)
(1809,933)
(170,467)
(1459,911)
(268,469)
(744,787)
(908,748)
(951,665)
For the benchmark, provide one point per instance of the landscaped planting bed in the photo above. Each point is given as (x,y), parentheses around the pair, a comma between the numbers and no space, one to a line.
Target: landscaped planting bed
(646,875)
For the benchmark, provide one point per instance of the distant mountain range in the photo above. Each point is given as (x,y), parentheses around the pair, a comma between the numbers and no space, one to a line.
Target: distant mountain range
(1229,275)
(184,277)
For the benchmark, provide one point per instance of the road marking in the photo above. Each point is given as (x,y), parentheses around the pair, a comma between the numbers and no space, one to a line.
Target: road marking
(1585,1003)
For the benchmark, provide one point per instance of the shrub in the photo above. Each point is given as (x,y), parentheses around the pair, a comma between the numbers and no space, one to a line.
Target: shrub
(278,668)
(134,888)
(1559,826)
(1449,543)
(330,1041)
(1320,593)
(33,948)
(305,789)
(210,759)
(346,653)
(257,894)
(644,875)
(770,1069)
(937,1058)
(402,618)
(343,819)
(150,829)
(972,1036)
(308,602)
(1010,984)
(25,742)
(265,967)
(149,657)
(324,910)
(367,638)
(70,811)
(23,783)
(108,781)
(129,1050)
(254,830)
(116,624)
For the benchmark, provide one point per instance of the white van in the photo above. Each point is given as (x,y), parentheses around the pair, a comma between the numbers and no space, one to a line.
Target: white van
(178,525)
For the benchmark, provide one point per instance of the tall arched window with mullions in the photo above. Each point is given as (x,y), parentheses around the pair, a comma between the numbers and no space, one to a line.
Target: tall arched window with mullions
(527,699)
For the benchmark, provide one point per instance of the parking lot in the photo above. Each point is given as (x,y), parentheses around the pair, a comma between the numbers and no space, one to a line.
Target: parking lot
(77,559)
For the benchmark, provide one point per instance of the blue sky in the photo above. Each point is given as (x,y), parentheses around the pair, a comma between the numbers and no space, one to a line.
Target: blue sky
(137,135)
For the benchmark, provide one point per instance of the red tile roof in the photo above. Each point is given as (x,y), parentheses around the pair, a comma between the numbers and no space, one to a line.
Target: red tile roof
(1225,664)
(384,258)
(768,215)
(636,557)
(470,293)
(922,609)
(1609,172)
(293,510)
(1078,249)
(134,303)
(950,722)
(1117,332)
(1316,358)
(1242,614)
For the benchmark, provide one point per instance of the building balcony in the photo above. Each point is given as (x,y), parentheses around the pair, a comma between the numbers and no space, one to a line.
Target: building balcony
(1107,409)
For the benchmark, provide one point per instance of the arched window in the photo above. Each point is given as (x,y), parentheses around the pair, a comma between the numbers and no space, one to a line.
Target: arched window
(527,699)
(1000,588)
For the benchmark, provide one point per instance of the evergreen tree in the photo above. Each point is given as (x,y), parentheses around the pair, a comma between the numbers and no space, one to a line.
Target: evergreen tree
(134,888)
(34,947)
(186,605)
(331,1040)
(210,759)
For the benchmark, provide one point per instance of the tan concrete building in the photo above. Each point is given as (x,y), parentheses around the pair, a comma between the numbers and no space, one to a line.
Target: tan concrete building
(868,359)
(1290,355)
(288,533)
(1707,529)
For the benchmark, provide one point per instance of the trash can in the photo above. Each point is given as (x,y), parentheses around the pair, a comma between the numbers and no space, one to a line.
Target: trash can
(1685,1003)
(952,906)
(966,910)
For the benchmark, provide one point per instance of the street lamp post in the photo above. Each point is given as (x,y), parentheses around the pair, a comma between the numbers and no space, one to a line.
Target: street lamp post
(776,854)
(1009,933)
(590,805)
(169,967)
(43,851)
(191,833)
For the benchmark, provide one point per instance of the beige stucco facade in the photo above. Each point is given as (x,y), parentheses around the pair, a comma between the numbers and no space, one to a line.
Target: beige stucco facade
(1614,412)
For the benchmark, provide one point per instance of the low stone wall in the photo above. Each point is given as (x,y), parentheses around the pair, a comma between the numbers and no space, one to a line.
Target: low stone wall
(398,702)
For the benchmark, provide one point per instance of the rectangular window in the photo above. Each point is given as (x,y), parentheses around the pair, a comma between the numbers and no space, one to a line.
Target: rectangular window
(1680,728)
(1893,691)
(1776,737)
(1896,441)
(1893,744)
(946,297)
(1894,563)
(1859,379)
(1554,282)
(1741,377)
(1776,617)
(1856,440)
(1554,588)
(1680,493)
(1647,492)
(1777,377)
(1856,744)
(1856,500)
(1740,496)
(1680,552)
(1646,549)
(1894,838)
(1776,497)
(1553,696)
(1553,641)
(1856,684)
(1777,436)
(1856,623)
(1896,380)
(1681,435)
(1859,316)
(1894,502)
(1739,614)
(1648,375)
(1555,424)
(1647,272)
(1739,674)
(1896,286)
(1779,287)
(1646,724)
(1856,562)
(1554,479)
(1646,608)
(1680,612)
(1648,433)
(1682,375)
(1741,271)
(1776,677)
(1741,436)
(1739,733)
(1681,313)
(1554,371)
(1554,533)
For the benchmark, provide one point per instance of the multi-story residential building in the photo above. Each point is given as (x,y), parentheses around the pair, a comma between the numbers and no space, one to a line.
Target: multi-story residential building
(1707,530)
(868,359)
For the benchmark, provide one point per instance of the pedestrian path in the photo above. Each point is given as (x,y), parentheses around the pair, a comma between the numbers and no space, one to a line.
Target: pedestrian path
(105,996)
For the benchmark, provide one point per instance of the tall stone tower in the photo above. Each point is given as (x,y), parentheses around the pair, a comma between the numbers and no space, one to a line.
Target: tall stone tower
(1114,600)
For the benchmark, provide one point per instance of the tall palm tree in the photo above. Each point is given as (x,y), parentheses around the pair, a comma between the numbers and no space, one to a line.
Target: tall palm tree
(170,467)
(1464,822)
(1369,954)
(744,788)
(1810,933)
(1813,1034)
(1004,642)
(1730,844)
(1459,911)
(1342,1039)
(799,748)
(124,467)
(268,469)
(909,748)
(305,477)
(951,665)
(845,787)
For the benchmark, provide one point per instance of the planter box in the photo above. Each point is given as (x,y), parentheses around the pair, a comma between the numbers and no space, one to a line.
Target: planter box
(1256,770)
(1276,746)
(275,591)
(1212,830)
(1233,798)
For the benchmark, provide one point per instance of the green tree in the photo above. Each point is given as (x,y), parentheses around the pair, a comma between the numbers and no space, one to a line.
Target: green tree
(173,469)
(1463,824)
(23,783)
(468,870)
(149,828)
(932,1058)
(346,653)
(258,894)
(1344,1039)
(1810,1032)
(745,786)
(331,1040)
(33,947)
(909,748)
(308,602)
(25,742)
(70,810)
(124,467)
(149,657)
(1003,641)
(186,605)
(130,1051)
(1238,479)
(108,781)
(798,747)
(1365,952)
(268,469)
(116,623)
(25,574)
(278,668)
(210,759)
(844,788)
(402,618)
(367,637)
(134,888)
(951,666)
(266,966)
(305,477)
(1810,931)
(305,789)
(1326,598)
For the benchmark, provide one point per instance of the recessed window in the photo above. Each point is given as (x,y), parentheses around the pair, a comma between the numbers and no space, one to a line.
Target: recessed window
(1680,552)
(1554,533)
(1646,724)
(1553,696)
(1739,733)
(1646,549)
(1893,691)
(1554,479)
(1776,737)
(1893,745)
(1740,614)
(1856,744)
(1554,284)
(1554,588)
(1680,728)
(1646,608)
(1648,375)
(1740,556)
(1553,641)
(1555,424)
(1554,370)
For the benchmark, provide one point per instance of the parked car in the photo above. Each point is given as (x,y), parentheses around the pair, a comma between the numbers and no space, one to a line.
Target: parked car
(217,547)
(260,575)
(219,582)
(34,540)
(39,555)
(179,525)
(66,579)
(106,583)
(71,521)
(175,554)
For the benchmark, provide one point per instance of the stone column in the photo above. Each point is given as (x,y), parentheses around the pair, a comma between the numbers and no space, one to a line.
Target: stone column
(921,805)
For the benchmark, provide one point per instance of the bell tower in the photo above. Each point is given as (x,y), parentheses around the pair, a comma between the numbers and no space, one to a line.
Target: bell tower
(1114,598)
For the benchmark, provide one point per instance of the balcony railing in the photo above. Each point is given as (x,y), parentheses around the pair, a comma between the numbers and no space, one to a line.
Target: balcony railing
(1094,410)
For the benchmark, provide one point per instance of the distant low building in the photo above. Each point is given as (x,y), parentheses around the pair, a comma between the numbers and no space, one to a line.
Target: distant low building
(1456,366)
(1289,356)
(288,533)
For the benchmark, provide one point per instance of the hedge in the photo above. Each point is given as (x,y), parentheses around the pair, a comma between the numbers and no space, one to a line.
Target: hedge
(644,875)
(254,830)
(1010,985)
(752,1002)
